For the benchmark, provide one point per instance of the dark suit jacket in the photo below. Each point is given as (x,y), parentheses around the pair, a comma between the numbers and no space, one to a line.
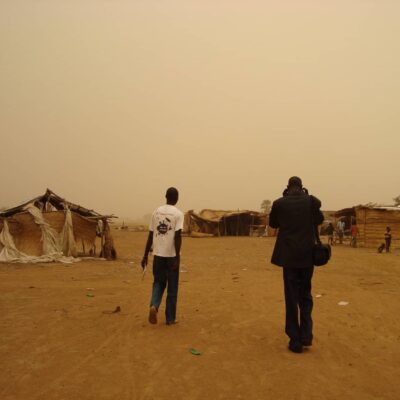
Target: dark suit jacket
(292,215)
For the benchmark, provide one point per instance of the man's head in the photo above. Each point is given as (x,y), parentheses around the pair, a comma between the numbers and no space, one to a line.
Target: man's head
(295,182)
(172,196)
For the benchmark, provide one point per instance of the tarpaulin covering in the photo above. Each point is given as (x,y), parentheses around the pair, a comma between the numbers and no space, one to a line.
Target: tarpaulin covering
(55,247)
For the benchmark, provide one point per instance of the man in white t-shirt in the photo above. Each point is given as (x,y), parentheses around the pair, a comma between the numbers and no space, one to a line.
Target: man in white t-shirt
(340,230)
(165,238)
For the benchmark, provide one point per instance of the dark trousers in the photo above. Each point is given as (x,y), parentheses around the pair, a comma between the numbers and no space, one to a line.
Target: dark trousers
(387,245)
(166,275)
(298,300)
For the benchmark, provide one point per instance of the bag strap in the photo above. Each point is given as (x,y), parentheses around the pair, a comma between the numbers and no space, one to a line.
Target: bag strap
(315,227)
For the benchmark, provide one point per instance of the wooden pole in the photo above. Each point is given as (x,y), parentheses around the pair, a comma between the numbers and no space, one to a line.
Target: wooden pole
(365,227)
(102,239)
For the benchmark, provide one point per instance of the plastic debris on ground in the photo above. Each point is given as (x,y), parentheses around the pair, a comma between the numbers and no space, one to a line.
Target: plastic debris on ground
(117,310)
(195,352)
(343,303)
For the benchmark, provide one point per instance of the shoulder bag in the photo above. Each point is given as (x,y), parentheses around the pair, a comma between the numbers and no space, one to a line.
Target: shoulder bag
(321,253)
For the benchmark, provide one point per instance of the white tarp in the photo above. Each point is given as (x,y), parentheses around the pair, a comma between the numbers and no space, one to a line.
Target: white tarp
(7,246)
(50,238)
(68,244)
(53,243)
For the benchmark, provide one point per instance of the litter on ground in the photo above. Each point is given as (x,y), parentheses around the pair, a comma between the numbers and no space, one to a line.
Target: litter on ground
(195,352)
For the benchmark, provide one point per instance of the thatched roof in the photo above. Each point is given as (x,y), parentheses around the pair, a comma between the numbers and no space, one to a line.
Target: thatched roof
(53,200)
(216,215)
(223,222)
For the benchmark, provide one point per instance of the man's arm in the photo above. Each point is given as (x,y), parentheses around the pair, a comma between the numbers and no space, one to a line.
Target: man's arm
(317,216)
(178,244)
(147,249)
(273,217)
(178,239)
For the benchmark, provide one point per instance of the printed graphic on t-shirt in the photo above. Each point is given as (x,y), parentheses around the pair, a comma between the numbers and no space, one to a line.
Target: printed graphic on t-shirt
(163,227)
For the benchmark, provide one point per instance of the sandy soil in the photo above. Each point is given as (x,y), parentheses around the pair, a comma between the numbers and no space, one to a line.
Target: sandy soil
(57,343)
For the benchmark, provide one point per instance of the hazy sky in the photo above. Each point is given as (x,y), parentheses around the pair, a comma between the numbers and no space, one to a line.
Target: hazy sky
(110,102)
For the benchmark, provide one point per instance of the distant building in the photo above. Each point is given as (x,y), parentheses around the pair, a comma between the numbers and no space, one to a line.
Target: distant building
(225,223)
(372,222)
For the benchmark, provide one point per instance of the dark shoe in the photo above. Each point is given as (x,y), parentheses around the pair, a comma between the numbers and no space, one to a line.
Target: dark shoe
(295,347)
(306,343)
(153,315)
(171,322)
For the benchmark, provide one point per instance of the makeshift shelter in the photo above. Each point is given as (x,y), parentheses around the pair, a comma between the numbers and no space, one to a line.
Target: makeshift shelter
(372,222)
(49,228)
(224,223)
(329,217)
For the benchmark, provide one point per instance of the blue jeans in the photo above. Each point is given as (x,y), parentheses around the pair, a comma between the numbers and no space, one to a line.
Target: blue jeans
(166,275)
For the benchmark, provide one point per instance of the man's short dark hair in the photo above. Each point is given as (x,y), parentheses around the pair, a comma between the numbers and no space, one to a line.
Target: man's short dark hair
(172,194)
(295,181)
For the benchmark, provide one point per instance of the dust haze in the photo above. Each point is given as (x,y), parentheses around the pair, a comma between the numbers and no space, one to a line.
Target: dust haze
(109,103)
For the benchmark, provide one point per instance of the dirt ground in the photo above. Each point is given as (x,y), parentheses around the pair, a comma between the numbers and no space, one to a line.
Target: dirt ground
(58,343)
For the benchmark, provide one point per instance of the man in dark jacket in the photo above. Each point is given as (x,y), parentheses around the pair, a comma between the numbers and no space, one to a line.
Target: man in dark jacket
(295,215)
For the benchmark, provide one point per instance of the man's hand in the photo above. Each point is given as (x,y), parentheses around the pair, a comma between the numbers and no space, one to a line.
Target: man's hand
(176,262)
(147,250)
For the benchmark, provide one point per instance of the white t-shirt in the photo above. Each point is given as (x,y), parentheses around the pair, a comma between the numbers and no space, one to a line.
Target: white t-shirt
(165,221)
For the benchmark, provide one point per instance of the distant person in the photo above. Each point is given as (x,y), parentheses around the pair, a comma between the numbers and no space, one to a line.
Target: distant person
(165,238)
(388,239)
(354,234)
(296,214)
(340,230)
(329,231)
